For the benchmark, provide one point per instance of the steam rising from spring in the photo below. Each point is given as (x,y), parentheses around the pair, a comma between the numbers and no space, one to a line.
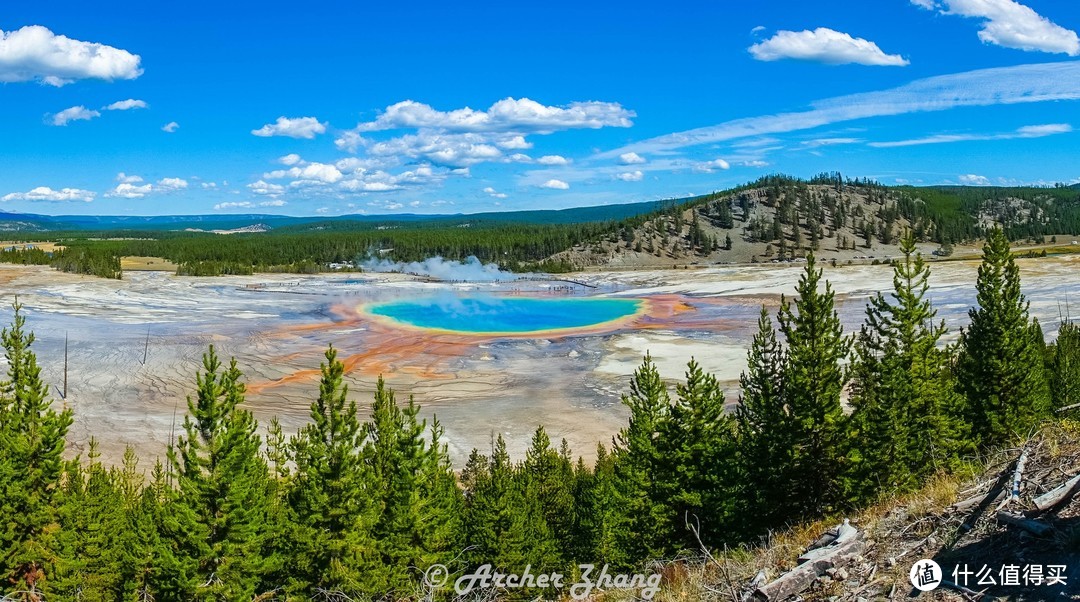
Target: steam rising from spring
(472,269)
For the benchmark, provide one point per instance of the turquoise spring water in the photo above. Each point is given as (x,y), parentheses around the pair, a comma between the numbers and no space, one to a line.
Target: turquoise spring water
(476,315)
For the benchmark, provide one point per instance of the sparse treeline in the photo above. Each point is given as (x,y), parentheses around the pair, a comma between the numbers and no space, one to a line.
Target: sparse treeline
(361,509)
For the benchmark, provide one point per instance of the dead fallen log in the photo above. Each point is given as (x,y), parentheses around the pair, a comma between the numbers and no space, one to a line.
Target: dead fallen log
(834,537)
(1016,520)
(802,576)
(1055,497)
(1017,479)
(1074,406)
(982,499)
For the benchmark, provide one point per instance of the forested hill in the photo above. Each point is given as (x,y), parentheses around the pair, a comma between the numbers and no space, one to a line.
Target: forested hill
(775,218)
(28,222)
(779,218)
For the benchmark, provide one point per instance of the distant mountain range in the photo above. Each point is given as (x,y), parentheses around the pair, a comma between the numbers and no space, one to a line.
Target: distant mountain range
(29,222)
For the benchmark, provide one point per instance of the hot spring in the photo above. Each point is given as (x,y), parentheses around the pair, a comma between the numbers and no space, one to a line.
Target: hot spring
(507,316)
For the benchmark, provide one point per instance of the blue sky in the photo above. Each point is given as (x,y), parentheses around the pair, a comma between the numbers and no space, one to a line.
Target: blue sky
(344,107)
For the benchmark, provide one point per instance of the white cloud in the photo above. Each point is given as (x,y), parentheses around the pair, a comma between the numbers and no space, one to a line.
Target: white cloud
(631,176)
(317,172)
(79,113)
(234,205)
(130,191)
(553,160)
(125,105)
(1028,131)
(824,45)
(1047,129)
(350,141)
(974,180)
(290,159)
(166,184)
(507,115)
(265,188)
(755,163)
(455,150)
(555,185)
(819,142)
(711,166)
(170,127)
(1011,25)
(273,203)
(130,187)
(514,143)
(1041,82)
(209,185)
(494,193)
(300,127)
(631,159)
(34,53)
(44,193)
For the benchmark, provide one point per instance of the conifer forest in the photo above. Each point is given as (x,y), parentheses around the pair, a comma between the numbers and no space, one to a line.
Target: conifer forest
(824,422)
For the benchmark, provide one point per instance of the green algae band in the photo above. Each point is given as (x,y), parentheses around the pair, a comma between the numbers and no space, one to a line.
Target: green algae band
(484,315)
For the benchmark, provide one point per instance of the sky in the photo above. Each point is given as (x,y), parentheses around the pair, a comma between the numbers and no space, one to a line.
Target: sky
(331,108)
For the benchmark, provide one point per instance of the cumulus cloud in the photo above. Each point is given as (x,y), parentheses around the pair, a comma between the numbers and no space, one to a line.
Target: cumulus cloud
(755,163)
(263,188)
(79,113)
(1010,24)
(974,180)
(290,159)
(125,105)
(132,186)
(166,184)
(711,166)
(1028,131)
(300,127)
(44,193)
(314,172)
(555,185)
(170,127)
(824,45)
(507,115)
(34,53)
(631,159)
(514,143)
(553,160)
(455,150)
(494,193)
(631,176)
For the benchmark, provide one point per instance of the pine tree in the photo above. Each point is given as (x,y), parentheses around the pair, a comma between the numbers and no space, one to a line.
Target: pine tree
(643,522)
(223,488)
(905,405)
(764,426)
(411,485)
(1064,365)
(31,464)
(698,449)
(91,538)
(813,380)
(504,523)
(1000,367)
(549,475)
(332,496)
